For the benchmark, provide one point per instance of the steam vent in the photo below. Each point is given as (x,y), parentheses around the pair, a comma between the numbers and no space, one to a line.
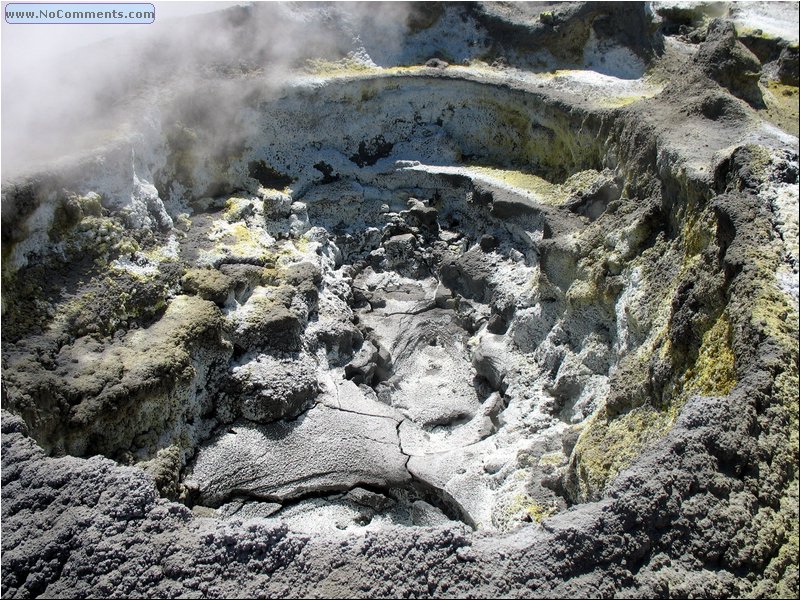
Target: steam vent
(410,300)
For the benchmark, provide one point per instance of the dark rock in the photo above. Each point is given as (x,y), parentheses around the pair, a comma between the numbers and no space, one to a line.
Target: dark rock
(422,216)
(488,242)
(563,29)
(570,439)
(444,297)
(403,255)
(679,19)
(269,324)
(788,66)
(437,63)
(468,274)
(718,107)
(341,339)
(765,48)
(728,62)
(371,151)
(305,278)
(423,15)
(270,388)
(245,277)
(267,176)
(497,325)
(592,201)
(328,176)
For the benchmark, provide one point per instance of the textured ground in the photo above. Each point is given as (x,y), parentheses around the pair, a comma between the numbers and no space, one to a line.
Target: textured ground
(466,300)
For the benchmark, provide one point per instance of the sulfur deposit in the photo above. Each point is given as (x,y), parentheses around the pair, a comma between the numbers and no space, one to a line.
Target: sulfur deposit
(480,299)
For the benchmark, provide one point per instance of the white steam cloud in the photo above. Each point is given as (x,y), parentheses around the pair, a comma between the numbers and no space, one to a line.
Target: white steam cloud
(60,98)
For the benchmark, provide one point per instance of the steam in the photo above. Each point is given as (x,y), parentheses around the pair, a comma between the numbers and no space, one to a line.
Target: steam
(60,106)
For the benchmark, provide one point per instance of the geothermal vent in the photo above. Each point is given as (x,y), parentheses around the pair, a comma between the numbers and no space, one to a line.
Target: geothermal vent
(426,299)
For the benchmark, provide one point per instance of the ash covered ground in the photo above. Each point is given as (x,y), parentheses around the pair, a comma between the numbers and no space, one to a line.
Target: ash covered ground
(419,299)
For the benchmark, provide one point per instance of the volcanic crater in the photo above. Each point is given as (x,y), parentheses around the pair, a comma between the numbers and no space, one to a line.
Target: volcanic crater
(514,316)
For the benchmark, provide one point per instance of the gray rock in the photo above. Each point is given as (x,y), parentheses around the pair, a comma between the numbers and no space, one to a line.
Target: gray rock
(268,388)
(436,63)
(422,216)
(209,284)
(369,499)
(444,298)
(347,396)
(266,321)
(324,449)
(427,515)
(362,368)
(491,360)
(468,274)
(402,255)
(243,509)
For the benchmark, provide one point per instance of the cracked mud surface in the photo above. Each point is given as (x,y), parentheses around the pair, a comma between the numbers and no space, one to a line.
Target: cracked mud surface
(518,320)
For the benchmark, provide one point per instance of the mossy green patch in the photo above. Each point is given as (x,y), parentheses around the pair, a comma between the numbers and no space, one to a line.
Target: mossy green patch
(351,67)
(621,101)
(107,303)
(26,307)
(512,115)
(266,319)
(523,507)
(773,317)
(208,283)
(301,244)
(699,230)
(90,204)
(544,191)
(239,241)
(70,211)
(552,459)
(780,575)
(84,228)
(782,106)
(754,32)
(158,357)
(581,181)
(590,292)
(344,66)
(713,373)
(639,410)
(606,446)
(237,209)
(538,512)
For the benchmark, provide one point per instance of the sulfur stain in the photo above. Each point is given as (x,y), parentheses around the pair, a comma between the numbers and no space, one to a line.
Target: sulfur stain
(781,106)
